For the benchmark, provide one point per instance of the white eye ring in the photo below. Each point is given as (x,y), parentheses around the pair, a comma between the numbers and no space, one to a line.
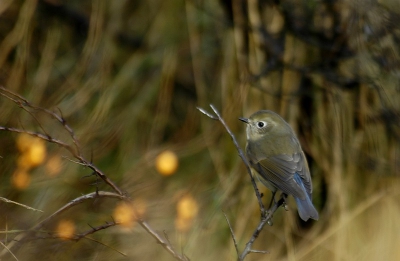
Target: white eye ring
(261,124)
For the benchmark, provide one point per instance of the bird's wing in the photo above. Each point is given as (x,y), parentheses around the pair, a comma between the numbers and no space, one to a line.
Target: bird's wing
(280,170)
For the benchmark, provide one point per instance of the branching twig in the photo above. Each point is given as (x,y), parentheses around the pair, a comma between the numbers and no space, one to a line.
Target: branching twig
(232,234)
(24,104)
(241,154)
(78,237)
(266,216)
(76,153)
(21,238)
(269,213)
(79,200)
(163,242)
(81,159)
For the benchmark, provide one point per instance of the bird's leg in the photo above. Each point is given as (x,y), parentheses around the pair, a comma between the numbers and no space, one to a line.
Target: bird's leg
(284,196)
(272,199)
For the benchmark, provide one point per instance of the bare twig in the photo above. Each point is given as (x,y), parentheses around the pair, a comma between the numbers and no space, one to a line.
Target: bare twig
(19,204)
(232,234)
(259,251)
(76,153)
(23,103)
(163,242)
(40,136)
(76,201)
(264,220)
(78,237)
(266,216)
(207,113)
(79,200)
(241,154)
(81,159)
(101,243)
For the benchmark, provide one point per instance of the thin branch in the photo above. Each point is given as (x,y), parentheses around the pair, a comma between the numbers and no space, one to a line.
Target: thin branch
(79,200)
(259,251)
(163,242)
(207,113)
(19,204)
(78,237)
(51,235)
(41,136)
(72,151)
(269,213)
(241,154)
(101,243)
(233,234)
(24,104)
(100,194)
(266,215)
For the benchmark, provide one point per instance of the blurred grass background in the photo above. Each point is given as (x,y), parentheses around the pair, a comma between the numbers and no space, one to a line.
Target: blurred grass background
(128,75)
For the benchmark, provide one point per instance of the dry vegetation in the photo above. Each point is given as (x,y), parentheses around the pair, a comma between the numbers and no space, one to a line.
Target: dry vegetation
(127,77)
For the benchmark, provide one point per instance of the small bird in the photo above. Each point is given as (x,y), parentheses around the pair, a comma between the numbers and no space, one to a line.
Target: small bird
(275,154)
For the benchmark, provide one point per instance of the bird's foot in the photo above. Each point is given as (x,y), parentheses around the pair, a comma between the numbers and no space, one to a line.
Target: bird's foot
(268,215)
(284,205)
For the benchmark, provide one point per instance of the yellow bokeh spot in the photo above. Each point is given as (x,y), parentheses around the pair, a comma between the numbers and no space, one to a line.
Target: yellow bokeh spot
(124,214)
(167,163)
(187,209)
(20,179)
(33,151)
(53,166)
(36,153)
(65,229)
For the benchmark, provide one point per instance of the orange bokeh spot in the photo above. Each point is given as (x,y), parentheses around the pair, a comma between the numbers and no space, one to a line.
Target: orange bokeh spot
(65,229)
(20,179)
(125,214)
(53,166)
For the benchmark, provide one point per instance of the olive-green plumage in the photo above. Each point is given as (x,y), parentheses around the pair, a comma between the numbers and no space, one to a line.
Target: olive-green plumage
(276,155)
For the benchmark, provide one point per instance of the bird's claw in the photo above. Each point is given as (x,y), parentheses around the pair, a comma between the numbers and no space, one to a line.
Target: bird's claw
(267,215)
(285,206)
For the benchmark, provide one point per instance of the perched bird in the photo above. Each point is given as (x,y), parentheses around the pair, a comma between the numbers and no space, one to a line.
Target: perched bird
(275,154)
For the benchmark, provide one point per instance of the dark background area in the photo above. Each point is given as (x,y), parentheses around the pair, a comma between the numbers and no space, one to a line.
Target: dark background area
(127,76)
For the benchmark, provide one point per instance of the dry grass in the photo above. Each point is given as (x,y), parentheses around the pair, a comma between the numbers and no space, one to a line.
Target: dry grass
(129,81)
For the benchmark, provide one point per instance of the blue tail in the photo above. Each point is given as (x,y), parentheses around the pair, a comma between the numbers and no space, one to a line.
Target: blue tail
(305,207)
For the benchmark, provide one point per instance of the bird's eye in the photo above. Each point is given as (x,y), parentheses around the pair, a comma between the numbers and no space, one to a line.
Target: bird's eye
(261,124)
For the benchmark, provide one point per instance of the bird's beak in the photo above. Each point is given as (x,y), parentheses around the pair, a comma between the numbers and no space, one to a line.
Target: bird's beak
(245,120)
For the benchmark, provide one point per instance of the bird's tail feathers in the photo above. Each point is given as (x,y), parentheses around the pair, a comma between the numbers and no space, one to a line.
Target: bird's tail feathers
(305,206)
(306,209)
